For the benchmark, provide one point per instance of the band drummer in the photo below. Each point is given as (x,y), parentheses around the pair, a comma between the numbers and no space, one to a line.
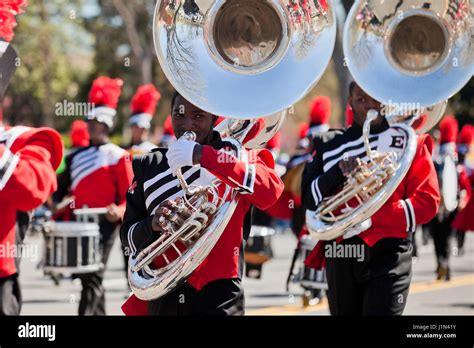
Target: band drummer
(97,176)
(463,222)
(376,283)
(289,205)
(458,184)
(214,288)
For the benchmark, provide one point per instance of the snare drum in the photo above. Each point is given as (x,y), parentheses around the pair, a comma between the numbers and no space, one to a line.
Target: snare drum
(71,248)
(308,278)
(258,250)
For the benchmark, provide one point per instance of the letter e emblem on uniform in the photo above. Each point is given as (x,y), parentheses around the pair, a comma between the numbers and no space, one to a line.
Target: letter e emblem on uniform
(397,141)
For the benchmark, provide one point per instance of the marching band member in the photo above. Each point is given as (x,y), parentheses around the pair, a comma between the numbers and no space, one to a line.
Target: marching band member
(143,107)
(257,252)
(464,222)
(440,226)
(376,283)
(289,205)
(28,160)
(320,114)
(214,288)
(98,176)
(79,135)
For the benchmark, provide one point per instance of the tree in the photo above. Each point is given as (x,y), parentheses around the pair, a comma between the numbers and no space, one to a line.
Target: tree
(134,14)
(124,48)
(55,58)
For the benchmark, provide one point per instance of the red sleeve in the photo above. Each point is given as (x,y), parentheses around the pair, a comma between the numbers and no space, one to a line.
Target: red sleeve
(124,177)
(421,198)
(28,177)
(284,207)
(253,174)
(465,185)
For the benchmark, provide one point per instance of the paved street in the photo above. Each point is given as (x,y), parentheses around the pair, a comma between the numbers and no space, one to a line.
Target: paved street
(266,296)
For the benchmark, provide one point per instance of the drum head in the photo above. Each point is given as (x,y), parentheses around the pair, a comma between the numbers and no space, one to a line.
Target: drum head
(449,189)
(72,248)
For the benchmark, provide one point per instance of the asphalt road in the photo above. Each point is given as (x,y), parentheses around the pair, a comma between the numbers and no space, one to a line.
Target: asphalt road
(265,296)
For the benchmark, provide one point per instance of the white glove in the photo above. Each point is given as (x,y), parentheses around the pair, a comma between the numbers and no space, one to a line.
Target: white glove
(180,154)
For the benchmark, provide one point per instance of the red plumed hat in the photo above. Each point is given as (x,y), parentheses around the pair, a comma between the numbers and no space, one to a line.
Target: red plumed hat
(105,95)
(349,116)
(106,92)
(320,110)
(79,134)
(449,129)
(168,126)
(466,136)
(145,100)
(8,10)
(143,106)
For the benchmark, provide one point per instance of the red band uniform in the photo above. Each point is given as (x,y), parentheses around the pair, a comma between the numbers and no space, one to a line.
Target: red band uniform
(464,221)
(97,176)
(289,206)
(214,288)
(386,246)
(440,226)
(28,160)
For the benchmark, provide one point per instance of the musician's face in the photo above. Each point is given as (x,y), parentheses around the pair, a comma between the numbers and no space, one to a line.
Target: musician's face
(361,103)
(138,134)
(186,117)
(98,132)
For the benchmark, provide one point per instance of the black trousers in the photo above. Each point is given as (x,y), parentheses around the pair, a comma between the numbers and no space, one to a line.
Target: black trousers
(375,284)
(93,292)
(218,298)
(10,295)
(461,237)
(441,231)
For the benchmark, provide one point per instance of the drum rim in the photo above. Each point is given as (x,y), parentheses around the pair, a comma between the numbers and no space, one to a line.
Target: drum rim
(71,227)
(72,234)
(73,269)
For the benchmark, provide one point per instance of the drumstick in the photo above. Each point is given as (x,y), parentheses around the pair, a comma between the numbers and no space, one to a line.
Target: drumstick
(90,211)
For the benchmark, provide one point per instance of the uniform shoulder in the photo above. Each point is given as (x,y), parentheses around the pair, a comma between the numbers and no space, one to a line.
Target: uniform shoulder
(114,152)
(70,154)
(154,156)
(328,137)
(151,159)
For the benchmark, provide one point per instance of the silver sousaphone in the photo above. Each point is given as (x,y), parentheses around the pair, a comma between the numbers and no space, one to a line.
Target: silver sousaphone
(246,60)
(410,54)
